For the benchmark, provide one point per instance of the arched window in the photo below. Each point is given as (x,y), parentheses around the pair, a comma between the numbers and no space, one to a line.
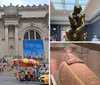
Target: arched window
(32,34)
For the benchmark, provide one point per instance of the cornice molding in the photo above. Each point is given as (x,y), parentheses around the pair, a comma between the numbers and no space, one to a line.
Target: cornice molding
(27,8)
(11,17)
(33,20)
(34,7)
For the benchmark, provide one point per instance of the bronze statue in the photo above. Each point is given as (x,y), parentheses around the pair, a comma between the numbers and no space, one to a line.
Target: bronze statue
(77,20)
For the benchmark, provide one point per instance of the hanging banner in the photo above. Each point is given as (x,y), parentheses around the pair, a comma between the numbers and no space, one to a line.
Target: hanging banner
(33,48)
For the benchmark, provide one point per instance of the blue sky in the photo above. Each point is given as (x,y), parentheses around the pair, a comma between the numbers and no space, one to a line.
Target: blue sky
(23,2)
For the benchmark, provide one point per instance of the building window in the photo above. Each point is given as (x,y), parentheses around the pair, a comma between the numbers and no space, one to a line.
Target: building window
(26,35)
(38,35)
(32,34)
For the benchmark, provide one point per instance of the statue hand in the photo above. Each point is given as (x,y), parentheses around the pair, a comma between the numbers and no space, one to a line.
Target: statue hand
(80,28)
(75,35)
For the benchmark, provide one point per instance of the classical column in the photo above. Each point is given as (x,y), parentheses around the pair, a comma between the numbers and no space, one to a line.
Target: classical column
(16,39)
(6,40)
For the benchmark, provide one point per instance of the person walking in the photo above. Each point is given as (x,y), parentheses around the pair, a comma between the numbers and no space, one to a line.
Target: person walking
(26,74)
(31,74)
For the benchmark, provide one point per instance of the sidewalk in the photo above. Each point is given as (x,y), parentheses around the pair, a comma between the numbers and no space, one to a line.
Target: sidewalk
(8,73)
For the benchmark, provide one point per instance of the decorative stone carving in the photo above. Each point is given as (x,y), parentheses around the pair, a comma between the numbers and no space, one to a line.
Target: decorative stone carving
(17,6)
(32,24)
(40,7)
(20,25)
(14,9)
(4,6)
(44,24)
(34,7)
(45,6)
(28,6)
(5,26)
(22,6)
(11,10)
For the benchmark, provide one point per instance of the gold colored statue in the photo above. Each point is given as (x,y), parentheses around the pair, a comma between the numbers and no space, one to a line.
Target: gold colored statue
(77,20)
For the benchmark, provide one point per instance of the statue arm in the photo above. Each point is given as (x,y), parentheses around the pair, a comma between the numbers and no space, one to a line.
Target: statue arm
(83,19)
(72,21)
(83,23)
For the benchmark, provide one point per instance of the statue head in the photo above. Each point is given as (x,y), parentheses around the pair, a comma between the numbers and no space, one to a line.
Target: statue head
(77,8)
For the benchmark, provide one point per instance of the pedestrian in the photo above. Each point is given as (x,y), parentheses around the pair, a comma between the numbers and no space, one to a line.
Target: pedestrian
(31,74)
(35,72)
(26,74)
(95,38)
(2,69)
(38,73)
(46,71)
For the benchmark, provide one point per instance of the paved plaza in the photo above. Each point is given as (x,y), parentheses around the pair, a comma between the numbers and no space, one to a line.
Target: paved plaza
(10,80)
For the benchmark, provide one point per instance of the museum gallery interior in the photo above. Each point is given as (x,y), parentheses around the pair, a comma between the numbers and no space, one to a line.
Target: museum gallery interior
(60,11)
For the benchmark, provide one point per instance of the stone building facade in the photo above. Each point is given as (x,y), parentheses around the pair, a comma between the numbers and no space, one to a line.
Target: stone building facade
(18,23)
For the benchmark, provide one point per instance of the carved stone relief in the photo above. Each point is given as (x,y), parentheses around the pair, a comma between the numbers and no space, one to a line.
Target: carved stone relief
(11,10)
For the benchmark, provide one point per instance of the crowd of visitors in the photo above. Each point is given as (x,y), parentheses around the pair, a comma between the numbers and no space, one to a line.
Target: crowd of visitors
(3,64)
(31,73)
(24,73)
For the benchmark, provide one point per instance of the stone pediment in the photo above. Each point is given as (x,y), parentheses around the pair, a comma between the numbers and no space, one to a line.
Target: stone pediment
(11,10)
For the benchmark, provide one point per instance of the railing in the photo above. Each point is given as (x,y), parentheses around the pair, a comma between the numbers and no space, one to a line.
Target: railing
(53,80)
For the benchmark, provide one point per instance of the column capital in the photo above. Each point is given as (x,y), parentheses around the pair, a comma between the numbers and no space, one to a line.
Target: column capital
(6,26)
(16,26)
(32,24)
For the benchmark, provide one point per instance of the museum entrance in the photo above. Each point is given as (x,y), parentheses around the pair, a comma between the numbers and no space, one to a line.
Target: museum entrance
(35,47)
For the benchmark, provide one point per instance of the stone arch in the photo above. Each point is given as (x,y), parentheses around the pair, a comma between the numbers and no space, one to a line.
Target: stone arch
(32,27)
(37,27)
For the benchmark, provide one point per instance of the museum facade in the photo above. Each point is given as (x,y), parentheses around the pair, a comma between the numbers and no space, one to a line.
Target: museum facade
(18,23)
